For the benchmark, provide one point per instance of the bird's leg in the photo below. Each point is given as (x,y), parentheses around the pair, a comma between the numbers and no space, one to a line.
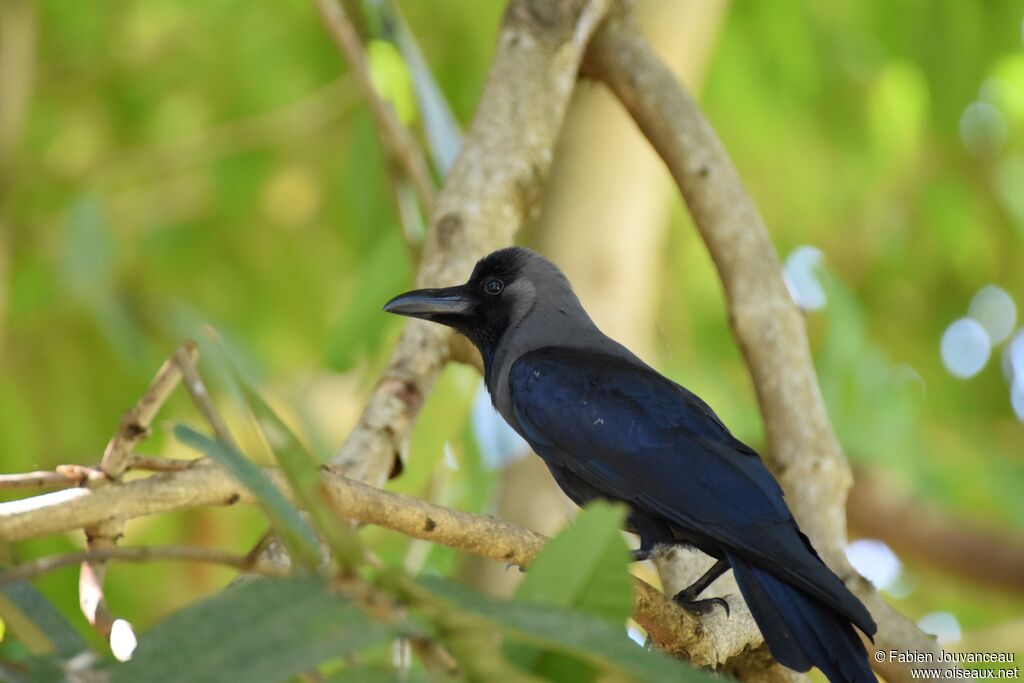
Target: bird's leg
(687,598)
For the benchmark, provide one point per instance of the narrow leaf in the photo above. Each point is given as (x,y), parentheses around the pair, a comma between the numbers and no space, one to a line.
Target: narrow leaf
(594,640)
(36,622)
(444,138)
(302,470)
(263,631)
(294,530)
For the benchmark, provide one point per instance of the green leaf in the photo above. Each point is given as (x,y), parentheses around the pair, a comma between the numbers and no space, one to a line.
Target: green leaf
(584,566)
(380,674)
(294,530)
(592,639)
(37,623)
(263,631)
(302,470)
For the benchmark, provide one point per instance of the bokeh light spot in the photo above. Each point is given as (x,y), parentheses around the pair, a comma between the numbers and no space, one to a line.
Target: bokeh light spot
(801,273)
(1017,395)
(875,561)
(995,310)
(122,640)
(982,128)
(499,445)
(965,348)
(943,625)
(1013,357)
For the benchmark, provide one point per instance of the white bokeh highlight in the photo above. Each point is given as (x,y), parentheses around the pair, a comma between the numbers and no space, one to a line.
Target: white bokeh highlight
(943,625)
(995,310)
(1017,396)
(875,561)
(965,348)
(982,128)
(1013,357)
(499,445)
(122,640)
(802,272)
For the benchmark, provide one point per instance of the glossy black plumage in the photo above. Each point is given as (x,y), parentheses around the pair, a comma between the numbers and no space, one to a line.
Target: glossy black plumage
(607,425)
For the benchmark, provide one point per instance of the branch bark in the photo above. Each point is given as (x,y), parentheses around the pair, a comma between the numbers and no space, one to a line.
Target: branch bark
(803,451)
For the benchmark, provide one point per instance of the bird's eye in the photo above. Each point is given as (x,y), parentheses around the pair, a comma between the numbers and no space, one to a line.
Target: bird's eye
(494,286)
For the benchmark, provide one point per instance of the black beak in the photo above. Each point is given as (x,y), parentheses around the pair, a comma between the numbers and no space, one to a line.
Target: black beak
(430,303)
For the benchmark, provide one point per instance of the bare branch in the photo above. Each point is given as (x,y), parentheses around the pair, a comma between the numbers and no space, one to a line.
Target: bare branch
(492,189)
(803,451)
(135,423)
(396,137)
(36,480)
(186,363)
(187,553)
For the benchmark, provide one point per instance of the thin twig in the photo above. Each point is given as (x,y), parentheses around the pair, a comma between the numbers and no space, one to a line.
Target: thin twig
(43,565)
(102,536)
(135,424)
(196,388)
(37,480)
(396,137)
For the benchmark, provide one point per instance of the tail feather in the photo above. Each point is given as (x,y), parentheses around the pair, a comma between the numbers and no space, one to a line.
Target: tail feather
(801,631)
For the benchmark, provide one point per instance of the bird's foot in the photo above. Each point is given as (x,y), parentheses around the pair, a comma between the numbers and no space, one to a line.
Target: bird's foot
(700,607)
(521,568)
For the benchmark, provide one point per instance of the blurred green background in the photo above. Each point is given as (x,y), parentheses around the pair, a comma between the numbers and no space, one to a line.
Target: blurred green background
(168,165)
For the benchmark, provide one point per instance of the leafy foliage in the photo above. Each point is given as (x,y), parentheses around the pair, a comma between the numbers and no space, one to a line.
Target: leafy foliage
(260,631)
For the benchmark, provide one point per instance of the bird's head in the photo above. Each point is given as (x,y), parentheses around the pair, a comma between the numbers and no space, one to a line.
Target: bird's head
(505,287)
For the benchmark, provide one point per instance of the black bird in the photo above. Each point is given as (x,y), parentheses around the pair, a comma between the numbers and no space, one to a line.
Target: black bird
(609,426)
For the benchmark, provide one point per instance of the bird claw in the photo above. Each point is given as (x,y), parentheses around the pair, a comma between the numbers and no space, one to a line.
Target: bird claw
(701,607)
(522,569)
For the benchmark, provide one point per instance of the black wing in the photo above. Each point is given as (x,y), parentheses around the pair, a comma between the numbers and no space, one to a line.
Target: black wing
(638,437)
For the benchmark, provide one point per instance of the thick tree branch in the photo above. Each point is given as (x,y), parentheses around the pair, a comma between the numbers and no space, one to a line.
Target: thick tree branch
(492,189)
(803,451)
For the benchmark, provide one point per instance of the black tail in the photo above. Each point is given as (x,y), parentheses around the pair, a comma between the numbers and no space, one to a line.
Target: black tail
(801,631)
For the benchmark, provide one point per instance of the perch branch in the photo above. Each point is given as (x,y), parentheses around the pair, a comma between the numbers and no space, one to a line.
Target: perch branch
(698,639)
(492,189)
(803,451)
